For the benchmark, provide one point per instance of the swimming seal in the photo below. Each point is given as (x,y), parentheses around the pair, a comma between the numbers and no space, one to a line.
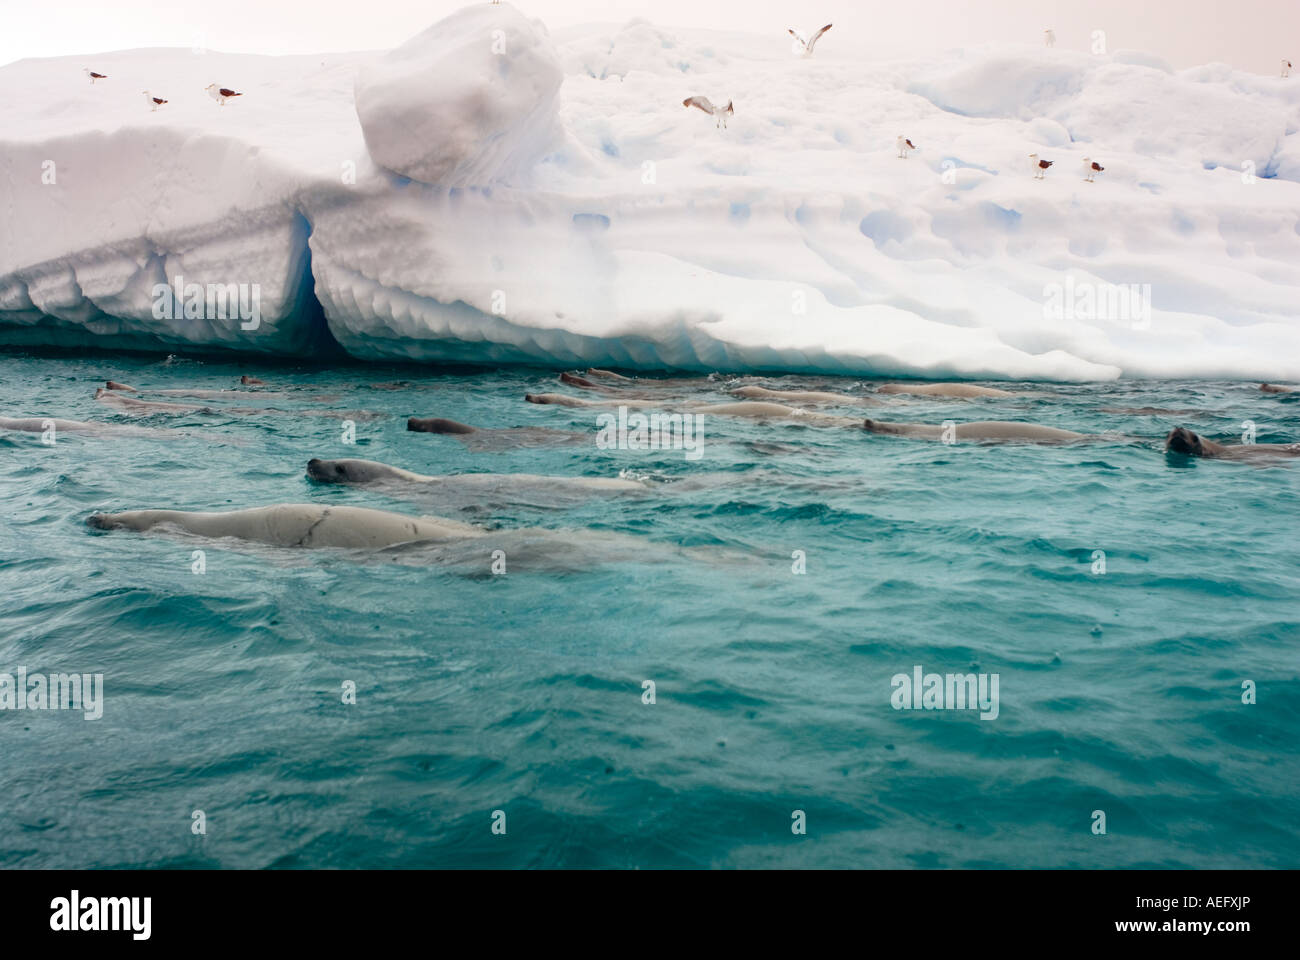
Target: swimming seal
(437,425)
(145,407)
(805,396)
(295,525)
(1184,441)
(493,439)
(575,381)
(960,390)
(359,471)
(372,471)
(41,424)
(756,409)
(979,430)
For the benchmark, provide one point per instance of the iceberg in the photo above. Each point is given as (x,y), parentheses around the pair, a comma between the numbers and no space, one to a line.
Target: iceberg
(489,193)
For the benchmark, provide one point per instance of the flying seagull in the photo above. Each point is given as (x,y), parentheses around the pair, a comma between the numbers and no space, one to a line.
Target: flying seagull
(220,94)
(1049,38)
(705,104)
(1286,68)
(1040,166)
(905,146)
(153,101)
(805,46)
(95,76)
(1090,170)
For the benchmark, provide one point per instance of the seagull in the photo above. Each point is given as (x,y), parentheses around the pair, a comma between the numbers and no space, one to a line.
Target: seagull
(1090,170)
(1286,68)
(705,104)
(1040,166)
(805,46)
(95,76)
(905,146)
(153,101)
(1049,38)
(220,94)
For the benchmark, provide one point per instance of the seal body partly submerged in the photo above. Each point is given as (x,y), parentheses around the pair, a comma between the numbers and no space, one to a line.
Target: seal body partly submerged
(960,390)
(1191,444)
(437,425)
(978,430)
(360,471)
(752,392)
(372,471)
(295,525)
(754,409)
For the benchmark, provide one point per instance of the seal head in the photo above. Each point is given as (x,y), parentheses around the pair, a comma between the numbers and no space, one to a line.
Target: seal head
(327,471)
(1184,441)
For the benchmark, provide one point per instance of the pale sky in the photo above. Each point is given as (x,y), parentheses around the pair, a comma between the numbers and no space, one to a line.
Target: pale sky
(1252,35)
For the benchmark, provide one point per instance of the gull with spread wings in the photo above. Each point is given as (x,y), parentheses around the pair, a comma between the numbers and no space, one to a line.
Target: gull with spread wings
(705,104)
(802,45)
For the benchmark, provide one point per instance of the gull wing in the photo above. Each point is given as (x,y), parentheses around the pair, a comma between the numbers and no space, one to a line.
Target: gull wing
(816,36)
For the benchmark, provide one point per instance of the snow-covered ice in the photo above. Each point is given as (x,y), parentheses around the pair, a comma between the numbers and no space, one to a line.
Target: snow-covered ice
(490,193)
(468,102)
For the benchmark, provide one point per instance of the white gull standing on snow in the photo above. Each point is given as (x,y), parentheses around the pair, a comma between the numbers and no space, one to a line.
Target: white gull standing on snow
(220,94)
(1049,38)
(1286,68)
(905,146)
(95,76)
(1040,166)
(1091,169)
(802,45)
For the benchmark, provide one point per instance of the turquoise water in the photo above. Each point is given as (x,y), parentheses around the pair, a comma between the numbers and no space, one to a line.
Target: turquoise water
(1119,691)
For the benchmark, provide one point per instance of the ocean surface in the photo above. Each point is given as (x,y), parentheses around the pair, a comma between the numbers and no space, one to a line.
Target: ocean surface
(1120,691)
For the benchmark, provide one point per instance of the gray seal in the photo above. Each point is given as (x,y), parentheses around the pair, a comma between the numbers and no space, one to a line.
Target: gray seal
(1184,441)
(438,425)
(979,430)
(295,525)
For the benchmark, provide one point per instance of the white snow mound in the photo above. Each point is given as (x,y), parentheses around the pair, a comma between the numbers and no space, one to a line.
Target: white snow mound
(469,101)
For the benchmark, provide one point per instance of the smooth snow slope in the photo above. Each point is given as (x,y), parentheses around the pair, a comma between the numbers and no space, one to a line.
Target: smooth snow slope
(609,225)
